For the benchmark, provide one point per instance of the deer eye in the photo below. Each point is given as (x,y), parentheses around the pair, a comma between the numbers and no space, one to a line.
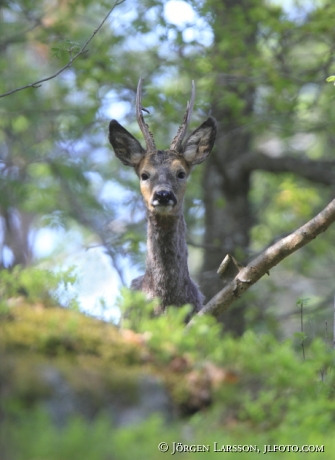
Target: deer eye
(181,175)
(144,176)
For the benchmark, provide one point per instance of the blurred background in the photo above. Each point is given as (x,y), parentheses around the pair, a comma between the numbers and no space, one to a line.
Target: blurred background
(260,69)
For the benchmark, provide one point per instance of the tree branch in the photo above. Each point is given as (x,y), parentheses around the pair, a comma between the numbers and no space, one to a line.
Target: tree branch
(268,259)
(83,50)
(322,172)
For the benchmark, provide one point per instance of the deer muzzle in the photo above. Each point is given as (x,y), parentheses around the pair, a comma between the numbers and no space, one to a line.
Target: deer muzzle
(163,201)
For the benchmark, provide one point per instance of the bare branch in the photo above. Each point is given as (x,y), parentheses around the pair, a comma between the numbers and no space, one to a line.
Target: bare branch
(83,50)
(322,172)
(268,259)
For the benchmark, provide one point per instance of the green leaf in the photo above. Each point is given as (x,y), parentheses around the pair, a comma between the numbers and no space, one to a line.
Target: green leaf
(65,45)
(300,335)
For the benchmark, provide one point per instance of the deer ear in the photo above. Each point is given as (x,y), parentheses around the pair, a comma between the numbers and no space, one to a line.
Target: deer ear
(125,146)
(200,142)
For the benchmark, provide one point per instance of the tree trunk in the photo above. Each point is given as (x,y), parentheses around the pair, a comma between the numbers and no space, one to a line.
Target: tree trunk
(228,216)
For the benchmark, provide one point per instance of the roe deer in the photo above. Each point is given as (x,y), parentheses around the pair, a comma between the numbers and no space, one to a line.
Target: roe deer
(163,175)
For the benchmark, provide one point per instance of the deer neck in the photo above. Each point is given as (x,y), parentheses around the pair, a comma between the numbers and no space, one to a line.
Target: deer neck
(166,266)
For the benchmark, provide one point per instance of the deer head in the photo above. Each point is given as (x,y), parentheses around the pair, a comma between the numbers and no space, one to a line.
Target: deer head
(163,173)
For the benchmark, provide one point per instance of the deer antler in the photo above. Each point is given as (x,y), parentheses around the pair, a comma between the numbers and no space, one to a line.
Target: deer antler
(148,137)
(178,139)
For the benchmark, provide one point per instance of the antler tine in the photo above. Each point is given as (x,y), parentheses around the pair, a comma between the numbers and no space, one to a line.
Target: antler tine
(148,137)
(178,139)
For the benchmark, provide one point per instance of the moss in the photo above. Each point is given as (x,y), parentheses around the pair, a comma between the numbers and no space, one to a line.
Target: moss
(57,331)
(40,347)
(49,350)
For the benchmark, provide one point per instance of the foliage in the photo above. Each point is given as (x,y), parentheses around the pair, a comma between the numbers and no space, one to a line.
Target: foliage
(253,390)
(65,45)
(330,79)
(57,171)
(92,441)
(262,70)
(37,285)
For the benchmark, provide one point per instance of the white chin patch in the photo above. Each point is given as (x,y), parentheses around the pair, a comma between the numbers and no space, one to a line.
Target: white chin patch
(163,208)
(160,209)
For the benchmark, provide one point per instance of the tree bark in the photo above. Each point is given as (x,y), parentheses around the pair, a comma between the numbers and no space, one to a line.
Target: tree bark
(228,217)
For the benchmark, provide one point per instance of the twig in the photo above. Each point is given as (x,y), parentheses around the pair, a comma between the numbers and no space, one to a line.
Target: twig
(268,259)
(300,304)
(83,50)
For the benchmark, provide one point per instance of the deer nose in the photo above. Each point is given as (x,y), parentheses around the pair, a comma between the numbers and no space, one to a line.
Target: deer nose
(164,198)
